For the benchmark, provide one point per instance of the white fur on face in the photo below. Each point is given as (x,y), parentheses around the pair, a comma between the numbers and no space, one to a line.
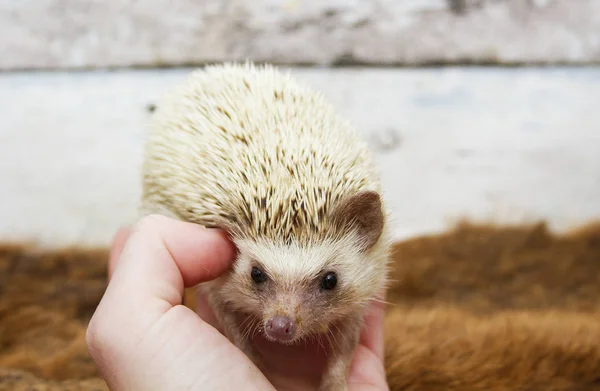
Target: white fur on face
(294,276)
(290,264)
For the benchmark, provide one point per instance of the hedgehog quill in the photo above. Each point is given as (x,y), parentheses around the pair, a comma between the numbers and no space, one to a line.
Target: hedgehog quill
(254,152)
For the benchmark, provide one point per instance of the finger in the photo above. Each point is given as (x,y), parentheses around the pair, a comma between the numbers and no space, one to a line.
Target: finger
(141,337)
(205,311)
(367,372)
(116,249)
(199,254)
(372,336)
(160,257)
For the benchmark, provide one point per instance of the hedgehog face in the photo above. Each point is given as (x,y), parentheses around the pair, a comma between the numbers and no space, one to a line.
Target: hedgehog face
(294,291)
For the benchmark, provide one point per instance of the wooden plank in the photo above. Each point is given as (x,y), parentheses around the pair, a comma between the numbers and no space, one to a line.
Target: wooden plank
(502,145)
(121,33)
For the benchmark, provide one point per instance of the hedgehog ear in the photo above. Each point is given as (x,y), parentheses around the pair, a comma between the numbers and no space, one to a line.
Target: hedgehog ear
(364,212)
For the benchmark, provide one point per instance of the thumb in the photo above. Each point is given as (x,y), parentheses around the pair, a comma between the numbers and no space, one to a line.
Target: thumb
(367,370)
(116,248)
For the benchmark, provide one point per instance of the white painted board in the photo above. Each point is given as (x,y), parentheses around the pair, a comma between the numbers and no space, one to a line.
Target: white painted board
(502,145)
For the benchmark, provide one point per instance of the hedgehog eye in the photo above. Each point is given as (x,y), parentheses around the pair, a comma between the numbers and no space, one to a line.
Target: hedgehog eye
(329,281)
(257,275)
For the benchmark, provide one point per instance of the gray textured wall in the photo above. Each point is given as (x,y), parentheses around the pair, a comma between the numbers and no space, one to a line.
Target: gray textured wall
(98,33)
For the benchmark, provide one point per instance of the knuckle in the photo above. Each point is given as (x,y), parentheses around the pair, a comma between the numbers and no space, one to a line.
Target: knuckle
(93,337)
(99,339)
(95,333)
(150,222)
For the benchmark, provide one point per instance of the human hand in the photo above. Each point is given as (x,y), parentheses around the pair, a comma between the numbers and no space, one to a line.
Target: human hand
(142,337)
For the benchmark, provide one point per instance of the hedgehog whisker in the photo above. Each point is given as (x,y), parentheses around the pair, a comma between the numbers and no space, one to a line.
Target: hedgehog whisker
(333,334)
(384,302)
(247,330)
(319,341)
(257,328)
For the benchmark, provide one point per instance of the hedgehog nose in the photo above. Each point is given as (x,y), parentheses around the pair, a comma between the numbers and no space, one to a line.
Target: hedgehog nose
(281,328)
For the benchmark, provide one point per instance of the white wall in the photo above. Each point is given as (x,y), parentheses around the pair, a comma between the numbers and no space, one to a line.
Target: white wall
(506,145)
(73,33)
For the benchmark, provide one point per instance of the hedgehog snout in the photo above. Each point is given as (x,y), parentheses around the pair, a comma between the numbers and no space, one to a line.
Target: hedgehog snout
(280,328)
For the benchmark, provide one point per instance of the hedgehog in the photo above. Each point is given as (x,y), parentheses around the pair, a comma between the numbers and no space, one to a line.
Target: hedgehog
(251,150)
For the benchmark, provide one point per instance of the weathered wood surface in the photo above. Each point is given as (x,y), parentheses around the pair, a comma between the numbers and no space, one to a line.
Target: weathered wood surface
(501,145)
(120,33)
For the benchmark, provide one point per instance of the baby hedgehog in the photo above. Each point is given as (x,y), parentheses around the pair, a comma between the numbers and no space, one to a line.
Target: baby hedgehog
(252,151)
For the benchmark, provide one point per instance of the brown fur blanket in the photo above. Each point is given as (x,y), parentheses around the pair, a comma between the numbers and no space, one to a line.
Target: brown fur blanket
(478,308)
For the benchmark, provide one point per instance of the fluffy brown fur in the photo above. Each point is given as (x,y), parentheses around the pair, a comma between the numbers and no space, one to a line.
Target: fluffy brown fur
(451,349)
(46,300)
(479,308)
